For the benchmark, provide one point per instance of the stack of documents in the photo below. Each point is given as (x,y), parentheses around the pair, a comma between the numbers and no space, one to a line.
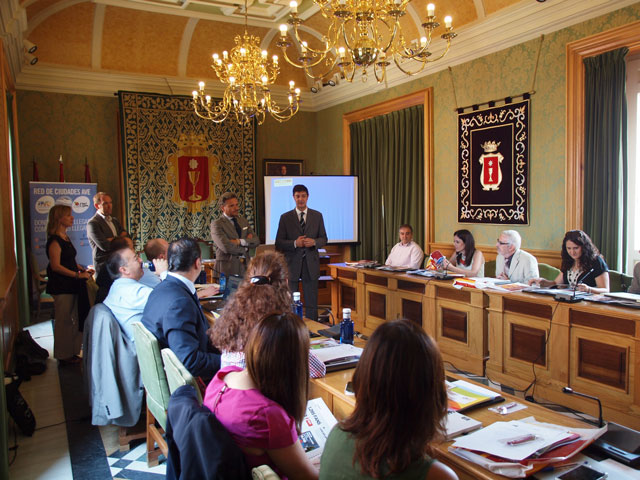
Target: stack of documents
(464,396)
(521,447)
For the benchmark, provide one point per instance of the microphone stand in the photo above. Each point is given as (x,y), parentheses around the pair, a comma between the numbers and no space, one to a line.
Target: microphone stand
(570,391)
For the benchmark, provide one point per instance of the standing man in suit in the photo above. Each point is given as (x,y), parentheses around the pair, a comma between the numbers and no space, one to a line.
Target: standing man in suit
(102,228)
(233,236)
(173,313)
(512,263)
(300,234)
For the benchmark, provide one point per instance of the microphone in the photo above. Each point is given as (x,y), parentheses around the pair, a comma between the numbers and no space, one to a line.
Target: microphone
(571,391)
(565,297)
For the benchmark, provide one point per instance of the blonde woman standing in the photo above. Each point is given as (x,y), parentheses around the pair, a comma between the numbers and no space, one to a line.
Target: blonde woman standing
(68,285)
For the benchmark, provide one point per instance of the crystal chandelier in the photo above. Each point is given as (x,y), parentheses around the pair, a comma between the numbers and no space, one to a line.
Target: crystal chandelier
(363,34)
(248,74)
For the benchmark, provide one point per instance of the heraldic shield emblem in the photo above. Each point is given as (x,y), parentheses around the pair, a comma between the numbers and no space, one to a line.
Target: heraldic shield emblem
(491,174)
(192,173)
(493,165)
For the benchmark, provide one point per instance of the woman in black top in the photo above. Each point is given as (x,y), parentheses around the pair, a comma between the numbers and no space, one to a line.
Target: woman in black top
(68,285)
(582,265)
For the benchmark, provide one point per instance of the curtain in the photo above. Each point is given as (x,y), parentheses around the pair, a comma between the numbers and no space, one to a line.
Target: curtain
(605,159)
(387,155)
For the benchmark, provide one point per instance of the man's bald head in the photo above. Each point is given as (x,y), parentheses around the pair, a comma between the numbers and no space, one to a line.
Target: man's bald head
(156,248)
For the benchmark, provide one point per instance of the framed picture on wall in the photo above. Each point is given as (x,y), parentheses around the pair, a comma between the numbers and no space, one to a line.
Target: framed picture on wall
(276,167)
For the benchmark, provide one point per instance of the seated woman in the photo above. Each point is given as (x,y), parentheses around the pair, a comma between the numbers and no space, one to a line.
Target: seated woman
(265,289)
(263,405)
(466,259)
(401,400)
(582,265)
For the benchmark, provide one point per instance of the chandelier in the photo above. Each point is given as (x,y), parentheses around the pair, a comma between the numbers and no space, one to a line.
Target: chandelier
(363,34)
(248,73)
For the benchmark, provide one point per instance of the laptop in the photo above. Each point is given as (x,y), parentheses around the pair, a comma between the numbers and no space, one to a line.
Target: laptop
(217,302)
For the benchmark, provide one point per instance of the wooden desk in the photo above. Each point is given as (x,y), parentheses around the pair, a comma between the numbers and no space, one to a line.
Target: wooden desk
(593,348)
(331,390)
(456,319)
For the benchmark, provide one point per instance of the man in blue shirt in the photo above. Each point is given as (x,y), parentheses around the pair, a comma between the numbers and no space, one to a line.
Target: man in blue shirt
(127,296)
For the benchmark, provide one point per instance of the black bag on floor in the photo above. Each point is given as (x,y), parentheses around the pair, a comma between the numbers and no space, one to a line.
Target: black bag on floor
(18,408)
(27,345)
(31,358)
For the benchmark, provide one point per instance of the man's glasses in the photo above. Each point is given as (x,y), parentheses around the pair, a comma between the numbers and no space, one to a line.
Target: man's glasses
(502,243)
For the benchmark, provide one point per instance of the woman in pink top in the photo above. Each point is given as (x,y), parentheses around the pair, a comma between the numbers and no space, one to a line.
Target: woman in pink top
(262,405)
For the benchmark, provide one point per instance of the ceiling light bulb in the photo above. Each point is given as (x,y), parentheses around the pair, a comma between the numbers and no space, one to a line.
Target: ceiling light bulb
(283,29)
(447,21)
(431,9)
(201,85)
(294,7)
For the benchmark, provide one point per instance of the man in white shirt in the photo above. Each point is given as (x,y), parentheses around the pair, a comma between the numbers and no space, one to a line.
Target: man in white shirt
(127,296)
(102,228)
(406,253)
(512,263)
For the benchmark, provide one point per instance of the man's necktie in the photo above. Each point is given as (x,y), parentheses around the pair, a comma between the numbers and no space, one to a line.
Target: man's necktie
(302,222)
(237,225)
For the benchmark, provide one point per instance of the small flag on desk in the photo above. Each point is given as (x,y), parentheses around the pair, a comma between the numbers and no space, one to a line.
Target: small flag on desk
(36,177)
(61,179)
(87,172)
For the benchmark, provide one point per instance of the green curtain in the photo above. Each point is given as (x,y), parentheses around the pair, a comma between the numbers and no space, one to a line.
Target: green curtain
(387,154)
(605,157)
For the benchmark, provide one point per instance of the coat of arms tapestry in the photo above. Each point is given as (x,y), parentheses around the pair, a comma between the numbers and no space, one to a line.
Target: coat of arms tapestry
(493,165)
(176,166)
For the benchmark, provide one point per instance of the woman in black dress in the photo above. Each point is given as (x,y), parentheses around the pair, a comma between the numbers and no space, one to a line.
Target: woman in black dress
(68,285)
(583,268)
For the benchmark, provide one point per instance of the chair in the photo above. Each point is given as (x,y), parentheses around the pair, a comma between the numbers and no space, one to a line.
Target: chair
(490,268)
(548,272)
(39,285)
(155,384)
(619,282)
(112,374)
(177,375)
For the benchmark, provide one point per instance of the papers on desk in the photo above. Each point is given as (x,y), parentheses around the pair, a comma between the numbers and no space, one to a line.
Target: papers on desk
(489,283)
(521,447)
(464,396)
(457,424)
(316,425)
(335,356)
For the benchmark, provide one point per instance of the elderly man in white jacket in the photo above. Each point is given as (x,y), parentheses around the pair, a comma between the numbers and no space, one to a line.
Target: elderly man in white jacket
(512,263)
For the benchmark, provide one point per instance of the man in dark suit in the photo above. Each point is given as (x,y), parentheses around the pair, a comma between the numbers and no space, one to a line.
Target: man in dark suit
(173,313)
(300,234)
(102,228)
(233,236)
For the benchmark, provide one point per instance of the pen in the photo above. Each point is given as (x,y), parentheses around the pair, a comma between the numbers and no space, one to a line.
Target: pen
(522,439)
(505,408)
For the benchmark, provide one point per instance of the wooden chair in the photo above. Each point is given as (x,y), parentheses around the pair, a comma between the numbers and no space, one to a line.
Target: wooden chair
(177,374)
(157,389)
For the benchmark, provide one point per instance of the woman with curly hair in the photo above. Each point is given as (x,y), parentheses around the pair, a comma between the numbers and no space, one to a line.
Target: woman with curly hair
(401,403)
(265,289)
(582,265)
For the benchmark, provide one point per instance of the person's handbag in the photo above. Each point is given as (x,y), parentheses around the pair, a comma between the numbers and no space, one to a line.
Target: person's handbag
(18,408)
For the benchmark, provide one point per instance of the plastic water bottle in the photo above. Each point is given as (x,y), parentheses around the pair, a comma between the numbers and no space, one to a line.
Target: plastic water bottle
(149,265)
(223,282)
(297,304)
(346,327)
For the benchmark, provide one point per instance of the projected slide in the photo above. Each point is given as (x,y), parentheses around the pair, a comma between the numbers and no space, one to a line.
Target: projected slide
(336,197)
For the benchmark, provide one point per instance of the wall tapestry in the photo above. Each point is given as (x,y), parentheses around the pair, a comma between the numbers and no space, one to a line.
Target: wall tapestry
(493,165)
(177,165)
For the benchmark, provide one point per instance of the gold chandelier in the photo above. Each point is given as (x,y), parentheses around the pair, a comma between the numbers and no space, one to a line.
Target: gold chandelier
(248,74)
(363,34)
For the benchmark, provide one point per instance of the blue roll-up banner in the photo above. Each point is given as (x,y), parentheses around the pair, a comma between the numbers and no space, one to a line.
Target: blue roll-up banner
(79,196)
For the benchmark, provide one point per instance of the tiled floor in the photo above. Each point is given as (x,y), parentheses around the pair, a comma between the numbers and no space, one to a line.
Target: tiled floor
(70,448)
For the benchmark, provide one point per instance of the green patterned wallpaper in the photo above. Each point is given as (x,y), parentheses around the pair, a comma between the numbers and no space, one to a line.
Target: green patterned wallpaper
(508,72)
(74,126)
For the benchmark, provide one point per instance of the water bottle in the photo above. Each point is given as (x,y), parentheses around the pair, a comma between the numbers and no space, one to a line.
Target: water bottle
(297,304)
(202,277)
(223,282)
(149,265)
(346,327)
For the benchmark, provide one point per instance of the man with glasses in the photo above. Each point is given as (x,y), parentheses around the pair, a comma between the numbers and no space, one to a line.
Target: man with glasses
(512,263)
(127,296)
